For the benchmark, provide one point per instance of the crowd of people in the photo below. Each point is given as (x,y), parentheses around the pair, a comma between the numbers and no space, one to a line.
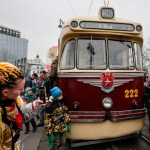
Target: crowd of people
(20,104)
(53,109)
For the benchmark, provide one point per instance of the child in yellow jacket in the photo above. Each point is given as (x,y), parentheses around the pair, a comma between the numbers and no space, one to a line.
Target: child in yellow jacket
(56,119)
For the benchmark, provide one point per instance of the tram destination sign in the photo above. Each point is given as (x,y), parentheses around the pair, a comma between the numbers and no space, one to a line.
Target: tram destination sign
(107,26)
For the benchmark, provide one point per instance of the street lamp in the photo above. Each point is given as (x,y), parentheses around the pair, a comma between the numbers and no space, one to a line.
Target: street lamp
(60,23)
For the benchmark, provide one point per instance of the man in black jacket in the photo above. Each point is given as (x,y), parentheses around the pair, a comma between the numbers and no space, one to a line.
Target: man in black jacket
(147,96)
(29,80)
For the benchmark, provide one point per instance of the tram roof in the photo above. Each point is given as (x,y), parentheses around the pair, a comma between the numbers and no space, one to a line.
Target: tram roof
(99,24)
(102,20)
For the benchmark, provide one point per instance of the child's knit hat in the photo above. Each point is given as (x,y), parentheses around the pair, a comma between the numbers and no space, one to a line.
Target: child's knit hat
(27,89)
(56,92)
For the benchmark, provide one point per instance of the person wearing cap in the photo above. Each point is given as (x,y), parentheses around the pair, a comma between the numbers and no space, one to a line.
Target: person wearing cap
(29,97)
(13,110)
(57,120)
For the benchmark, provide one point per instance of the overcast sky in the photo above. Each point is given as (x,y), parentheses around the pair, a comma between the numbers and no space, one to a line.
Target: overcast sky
(38,20)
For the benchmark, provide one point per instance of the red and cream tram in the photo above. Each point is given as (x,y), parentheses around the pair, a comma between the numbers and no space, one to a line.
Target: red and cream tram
(100,73)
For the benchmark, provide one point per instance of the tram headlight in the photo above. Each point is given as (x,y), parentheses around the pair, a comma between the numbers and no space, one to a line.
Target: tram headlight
(74,24)
(107,103)
(138,28)
(134,103)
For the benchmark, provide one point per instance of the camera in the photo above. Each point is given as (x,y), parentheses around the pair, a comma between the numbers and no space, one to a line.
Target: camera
(42,94)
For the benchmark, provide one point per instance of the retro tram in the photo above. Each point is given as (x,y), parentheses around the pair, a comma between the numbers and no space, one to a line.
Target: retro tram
(100,73)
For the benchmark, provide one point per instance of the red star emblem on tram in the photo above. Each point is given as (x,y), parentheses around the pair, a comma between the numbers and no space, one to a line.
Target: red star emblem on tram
(107,82)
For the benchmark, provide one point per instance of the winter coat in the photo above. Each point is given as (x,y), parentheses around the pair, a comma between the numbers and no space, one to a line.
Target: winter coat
(56,116)
(29,98)
(48,85)
(52,80)
(12,115)
(28,82)
(147,94)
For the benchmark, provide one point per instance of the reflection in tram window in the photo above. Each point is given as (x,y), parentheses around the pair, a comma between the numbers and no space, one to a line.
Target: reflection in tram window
(120,55)
(67,60)
(91,54)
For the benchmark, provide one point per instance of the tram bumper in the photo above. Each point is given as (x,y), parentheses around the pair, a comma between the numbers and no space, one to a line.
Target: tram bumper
(127,114)
(86,126)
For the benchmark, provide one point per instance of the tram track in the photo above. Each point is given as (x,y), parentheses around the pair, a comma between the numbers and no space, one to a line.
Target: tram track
(145,138)
(141,142)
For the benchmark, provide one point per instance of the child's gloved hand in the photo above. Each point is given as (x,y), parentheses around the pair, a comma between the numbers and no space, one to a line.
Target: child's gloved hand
(69,128)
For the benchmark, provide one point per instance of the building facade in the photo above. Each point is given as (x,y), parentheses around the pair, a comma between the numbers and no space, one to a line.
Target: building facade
(35,65)
(13,48)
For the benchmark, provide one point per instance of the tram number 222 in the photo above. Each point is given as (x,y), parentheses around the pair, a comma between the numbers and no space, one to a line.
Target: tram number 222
(131,93)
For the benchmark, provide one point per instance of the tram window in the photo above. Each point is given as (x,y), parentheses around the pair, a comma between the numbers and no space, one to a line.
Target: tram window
(120,55)
(67,60)
(138,56)
(91,54)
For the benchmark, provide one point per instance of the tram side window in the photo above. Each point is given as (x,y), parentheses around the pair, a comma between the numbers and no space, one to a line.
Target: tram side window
(138,56)
(67,59)
(91,54)
(120,55)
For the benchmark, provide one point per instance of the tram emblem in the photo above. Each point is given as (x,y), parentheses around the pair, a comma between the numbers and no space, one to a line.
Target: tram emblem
(107,82)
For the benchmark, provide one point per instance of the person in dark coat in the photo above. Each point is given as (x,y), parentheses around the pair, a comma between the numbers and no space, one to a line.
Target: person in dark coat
(29,80)
(147,96)
(43,78)
(51,80)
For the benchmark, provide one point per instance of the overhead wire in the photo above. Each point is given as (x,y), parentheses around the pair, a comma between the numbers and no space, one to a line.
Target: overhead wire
(72,8)
(86,10)
(90,7)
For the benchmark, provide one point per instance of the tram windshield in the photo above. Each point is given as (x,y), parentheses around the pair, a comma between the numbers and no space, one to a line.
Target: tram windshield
(93,54)
(120,55)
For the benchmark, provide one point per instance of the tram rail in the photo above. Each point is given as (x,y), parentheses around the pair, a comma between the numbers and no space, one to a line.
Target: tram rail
(145,138)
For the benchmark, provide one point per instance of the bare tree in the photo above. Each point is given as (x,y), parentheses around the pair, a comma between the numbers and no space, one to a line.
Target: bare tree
(146,56)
